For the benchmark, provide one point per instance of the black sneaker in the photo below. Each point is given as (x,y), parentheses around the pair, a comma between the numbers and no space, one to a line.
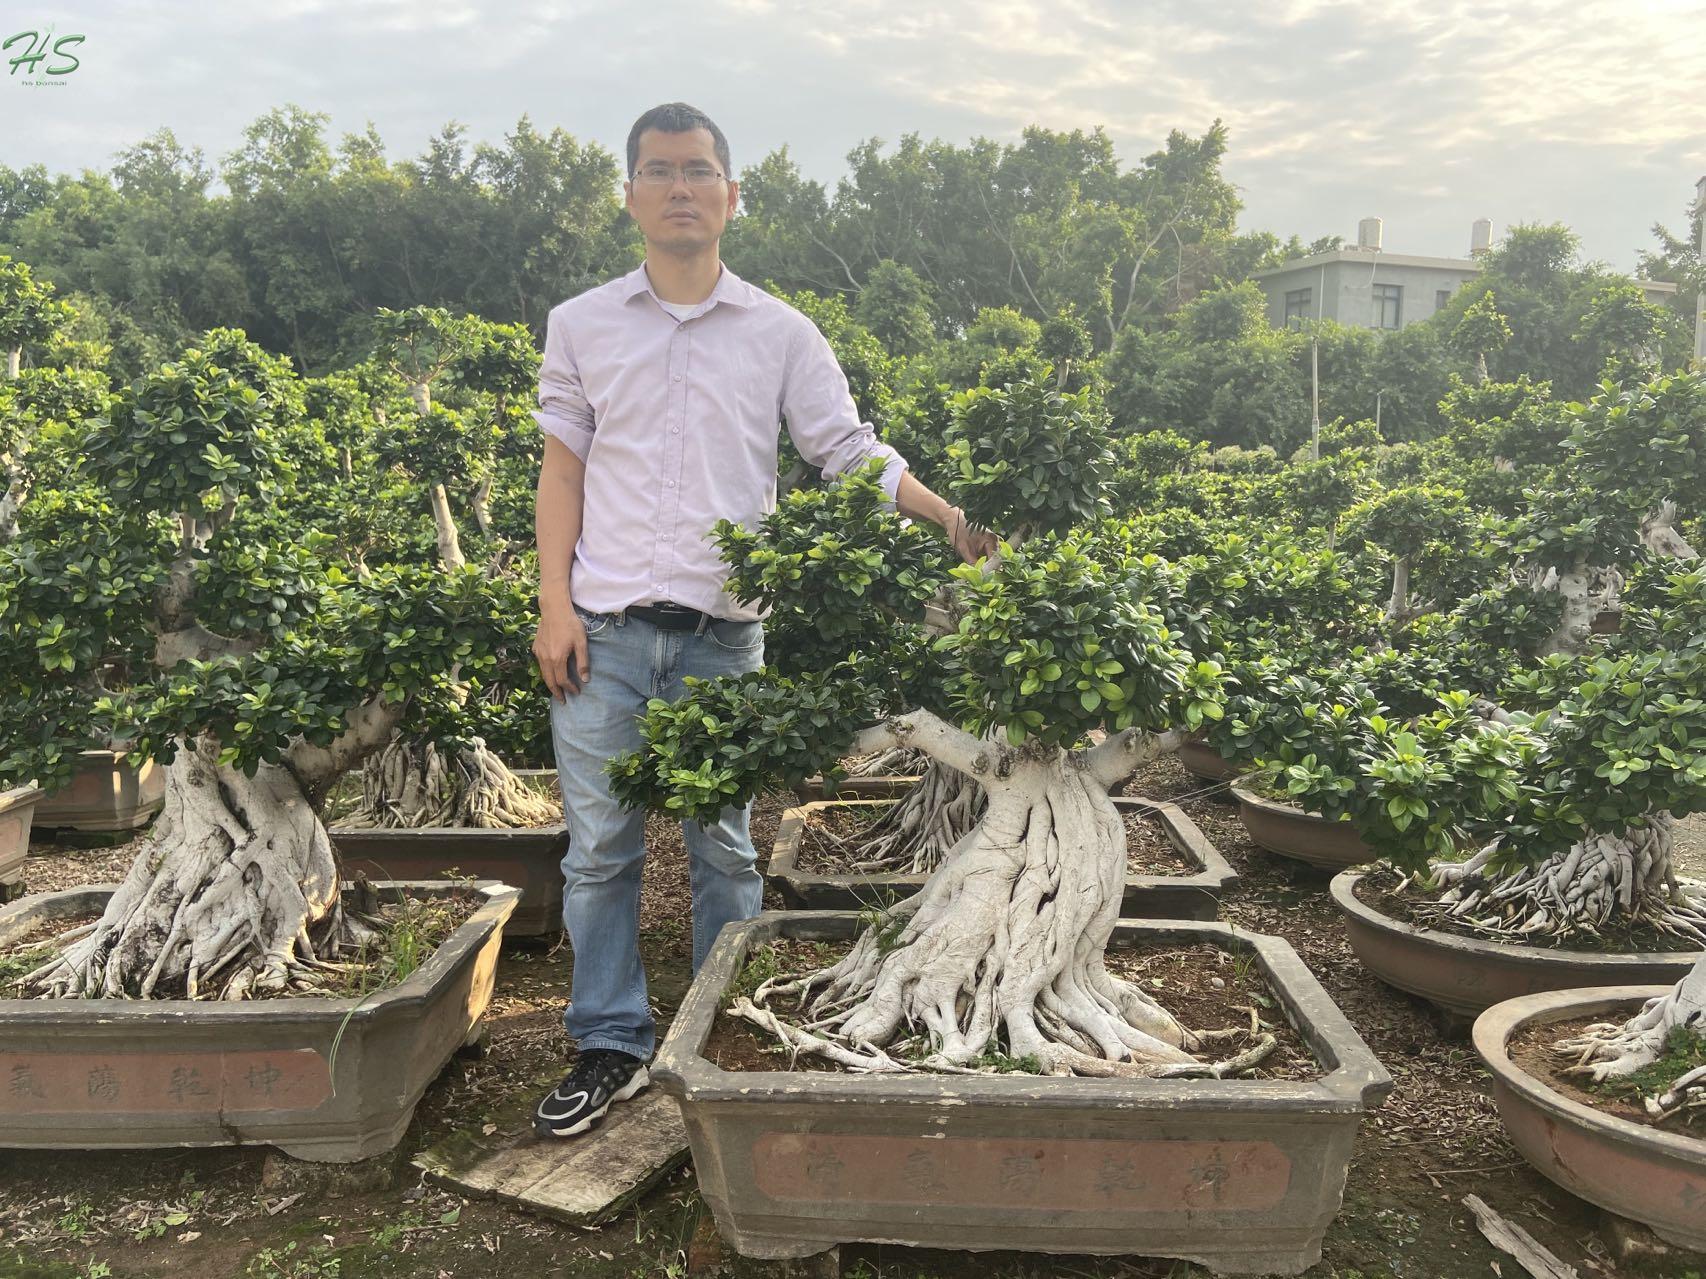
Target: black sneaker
(600,1076)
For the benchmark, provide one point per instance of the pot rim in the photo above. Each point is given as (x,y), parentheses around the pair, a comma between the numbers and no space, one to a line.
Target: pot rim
(1352,1079)
(27,793)
(415,990)
(1491,1037)
(1246,796)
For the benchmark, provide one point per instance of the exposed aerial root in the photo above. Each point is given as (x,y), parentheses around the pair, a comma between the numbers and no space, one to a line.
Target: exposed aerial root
(1000,955)
(411,785)
(900,762)
(1599,881)
(921,827)
(1613,1050)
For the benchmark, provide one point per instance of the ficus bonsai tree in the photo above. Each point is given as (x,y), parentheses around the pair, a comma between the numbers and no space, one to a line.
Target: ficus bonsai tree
(439,446)
(1002,948)
(1564,766)
(1023,457)
(138,605)
(1407,523)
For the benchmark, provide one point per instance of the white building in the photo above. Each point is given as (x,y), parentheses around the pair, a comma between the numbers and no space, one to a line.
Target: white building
(1367,286)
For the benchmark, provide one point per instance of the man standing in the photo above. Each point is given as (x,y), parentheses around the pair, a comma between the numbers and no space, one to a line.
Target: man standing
(660,396)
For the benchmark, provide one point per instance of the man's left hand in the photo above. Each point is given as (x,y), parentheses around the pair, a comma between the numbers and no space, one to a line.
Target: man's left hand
(970,542)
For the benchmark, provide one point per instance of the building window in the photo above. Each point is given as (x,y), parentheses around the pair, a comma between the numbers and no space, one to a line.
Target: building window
(1441,298)
(1388,306)
(1298,304)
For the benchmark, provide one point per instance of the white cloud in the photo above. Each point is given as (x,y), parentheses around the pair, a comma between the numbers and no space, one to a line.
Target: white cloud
(1585,111)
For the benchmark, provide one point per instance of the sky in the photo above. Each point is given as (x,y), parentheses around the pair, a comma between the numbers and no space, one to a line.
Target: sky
(1427,115)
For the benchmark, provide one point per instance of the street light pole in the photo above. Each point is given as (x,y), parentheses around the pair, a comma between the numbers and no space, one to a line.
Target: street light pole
(1700,299)
(1315,371)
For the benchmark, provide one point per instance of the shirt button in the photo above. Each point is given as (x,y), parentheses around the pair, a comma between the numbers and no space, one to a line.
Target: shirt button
(675,430)
(676,378)
(657,586)
(670,483)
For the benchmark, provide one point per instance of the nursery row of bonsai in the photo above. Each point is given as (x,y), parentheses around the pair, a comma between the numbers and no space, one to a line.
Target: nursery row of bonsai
(1472,665)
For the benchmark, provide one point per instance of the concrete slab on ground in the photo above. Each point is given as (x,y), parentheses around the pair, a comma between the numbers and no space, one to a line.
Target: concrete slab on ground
(581,1180)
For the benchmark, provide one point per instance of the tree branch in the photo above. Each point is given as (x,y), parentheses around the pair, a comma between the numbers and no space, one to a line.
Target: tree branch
(1659,533)
(1121,755)
(940,740)
(317,767)
(198,644)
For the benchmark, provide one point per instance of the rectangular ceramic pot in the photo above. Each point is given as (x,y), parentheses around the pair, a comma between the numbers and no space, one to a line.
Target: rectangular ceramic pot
(885,786)
(1242,1176)
(17,811)
(106,793)
(530,860)
(1189,896)
(324,1079)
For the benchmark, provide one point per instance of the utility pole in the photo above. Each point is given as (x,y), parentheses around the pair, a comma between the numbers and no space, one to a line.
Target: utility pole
(1315,369)
(1700,301)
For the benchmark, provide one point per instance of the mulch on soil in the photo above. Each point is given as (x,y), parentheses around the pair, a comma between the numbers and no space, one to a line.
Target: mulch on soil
(1183,980)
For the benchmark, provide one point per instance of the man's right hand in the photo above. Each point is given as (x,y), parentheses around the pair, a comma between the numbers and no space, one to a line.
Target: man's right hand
(560,649)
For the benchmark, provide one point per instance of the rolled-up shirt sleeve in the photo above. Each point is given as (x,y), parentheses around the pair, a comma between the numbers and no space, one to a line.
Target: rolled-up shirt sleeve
(823,420)
(563,408)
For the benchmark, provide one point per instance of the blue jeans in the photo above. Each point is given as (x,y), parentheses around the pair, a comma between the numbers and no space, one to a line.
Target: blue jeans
(631,661)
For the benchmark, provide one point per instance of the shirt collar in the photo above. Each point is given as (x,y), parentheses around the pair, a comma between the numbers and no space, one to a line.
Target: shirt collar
(729,288)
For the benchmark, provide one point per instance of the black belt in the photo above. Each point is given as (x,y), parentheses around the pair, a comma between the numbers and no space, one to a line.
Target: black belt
(670,617)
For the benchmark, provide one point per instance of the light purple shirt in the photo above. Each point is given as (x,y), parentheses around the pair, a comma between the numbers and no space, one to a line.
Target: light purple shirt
(678,424)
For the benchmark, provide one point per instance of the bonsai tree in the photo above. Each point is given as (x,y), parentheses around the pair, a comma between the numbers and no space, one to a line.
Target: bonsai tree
(412,782)
(28,316)
(1565,769)
(138,604)
(1002,949)
(1023,457)
(1406,523)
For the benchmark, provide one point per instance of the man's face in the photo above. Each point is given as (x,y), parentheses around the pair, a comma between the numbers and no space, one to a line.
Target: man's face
(680,217)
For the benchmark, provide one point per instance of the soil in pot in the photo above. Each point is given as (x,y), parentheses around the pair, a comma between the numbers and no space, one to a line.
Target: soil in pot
(1385,890)
(1182,977)
(407,933)
(1531,1049)
(830,844)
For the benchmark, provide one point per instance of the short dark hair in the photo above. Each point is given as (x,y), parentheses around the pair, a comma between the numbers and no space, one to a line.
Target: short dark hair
(677,117)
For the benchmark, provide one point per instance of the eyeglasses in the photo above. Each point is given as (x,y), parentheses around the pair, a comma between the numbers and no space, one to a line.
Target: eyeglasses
(658,174)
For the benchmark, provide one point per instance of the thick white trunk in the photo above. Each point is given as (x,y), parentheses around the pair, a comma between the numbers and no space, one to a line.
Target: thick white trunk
(1397,605)
(481,505)
(1601,880)
(1576,589)
(234,891)
(1659,533)
(449,545)
(14,358)
(10,501)
(411,785)
(1004,944)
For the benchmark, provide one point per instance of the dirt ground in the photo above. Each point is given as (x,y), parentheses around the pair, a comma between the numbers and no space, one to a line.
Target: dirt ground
(210,1214)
